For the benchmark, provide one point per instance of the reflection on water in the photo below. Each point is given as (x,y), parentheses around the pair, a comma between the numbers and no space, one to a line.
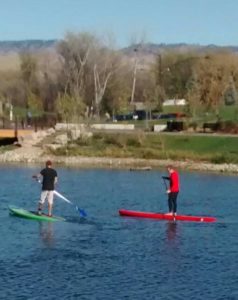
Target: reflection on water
(171,231)
(47,233)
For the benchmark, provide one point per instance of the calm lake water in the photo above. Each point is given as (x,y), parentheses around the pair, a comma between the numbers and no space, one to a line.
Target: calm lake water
(109,257)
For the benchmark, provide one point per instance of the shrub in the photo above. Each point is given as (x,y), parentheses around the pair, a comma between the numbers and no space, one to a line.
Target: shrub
(83,142)
(133,142)
(114,140)
(193,125)
(151,154)
(219,159)
(98,136)
(228,126)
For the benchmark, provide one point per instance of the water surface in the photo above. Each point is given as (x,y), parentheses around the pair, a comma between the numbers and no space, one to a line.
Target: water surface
(109,257)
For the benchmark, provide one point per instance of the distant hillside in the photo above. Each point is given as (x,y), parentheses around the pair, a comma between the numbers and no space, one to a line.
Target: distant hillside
(27,45)
(146,49)
(153,49)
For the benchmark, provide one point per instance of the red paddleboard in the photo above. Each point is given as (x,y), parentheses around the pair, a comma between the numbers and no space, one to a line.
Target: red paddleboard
(161,216)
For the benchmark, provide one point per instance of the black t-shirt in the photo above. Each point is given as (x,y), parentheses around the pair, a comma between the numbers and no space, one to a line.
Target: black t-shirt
(49,176)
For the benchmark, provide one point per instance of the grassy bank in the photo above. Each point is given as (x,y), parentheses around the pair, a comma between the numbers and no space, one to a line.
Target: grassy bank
(214,149)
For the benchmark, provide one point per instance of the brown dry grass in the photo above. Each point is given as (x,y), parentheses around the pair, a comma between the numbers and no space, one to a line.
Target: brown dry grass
(9,62)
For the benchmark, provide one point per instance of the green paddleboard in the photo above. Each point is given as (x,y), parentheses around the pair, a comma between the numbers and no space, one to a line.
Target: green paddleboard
(23,213)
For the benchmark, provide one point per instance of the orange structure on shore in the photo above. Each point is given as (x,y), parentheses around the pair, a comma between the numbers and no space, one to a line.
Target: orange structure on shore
(10,133)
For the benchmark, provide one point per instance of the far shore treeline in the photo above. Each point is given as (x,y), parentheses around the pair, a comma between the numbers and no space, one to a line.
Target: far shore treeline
(85,76)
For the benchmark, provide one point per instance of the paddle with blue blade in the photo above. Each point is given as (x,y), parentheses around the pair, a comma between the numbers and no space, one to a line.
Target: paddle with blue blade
(80,210)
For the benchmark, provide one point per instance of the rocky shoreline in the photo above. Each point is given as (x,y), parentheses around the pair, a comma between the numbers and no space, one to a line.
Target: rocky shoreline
(33,150)
(35,155)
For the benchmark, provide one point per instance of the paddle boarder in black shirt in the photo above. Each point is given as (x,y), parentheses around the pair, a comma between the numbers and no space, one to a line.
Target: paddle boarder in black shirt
(49,179)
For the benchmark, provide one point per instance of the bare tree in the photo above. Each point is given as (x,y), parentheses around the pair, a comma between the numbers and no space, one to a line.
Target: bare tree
(101,78)
(74,52)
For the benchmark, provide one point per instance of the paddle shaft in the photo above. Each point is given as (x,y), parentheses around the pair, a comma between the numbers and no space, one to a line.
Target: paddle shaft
(62,197)
(165,184)
(80,210)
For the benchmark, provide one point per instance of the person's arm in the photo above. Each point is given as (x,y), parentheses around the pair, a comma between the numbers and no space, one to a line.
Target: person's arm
(170,184)
(56,177)
(37,176)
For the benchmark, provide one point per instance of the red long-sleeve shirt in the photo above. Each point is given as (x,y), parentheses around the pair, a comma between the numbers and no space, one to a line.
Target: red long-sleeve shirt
(174,182)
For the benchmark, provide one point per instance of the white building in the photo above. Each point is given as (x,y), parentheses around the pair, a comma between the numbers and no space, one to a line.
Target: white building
(175,102)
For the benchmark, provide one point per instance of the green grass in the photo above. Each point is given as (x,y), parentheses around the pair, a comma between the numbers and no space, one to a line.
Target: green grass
(7,148)
(229,113)
(156,146)
(213,149)
(201,144)
(174,109)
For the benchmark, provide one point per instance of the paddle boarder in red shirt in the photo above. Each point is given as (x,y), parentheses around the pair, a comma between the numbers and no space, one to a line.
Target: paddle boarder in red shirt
(173,190)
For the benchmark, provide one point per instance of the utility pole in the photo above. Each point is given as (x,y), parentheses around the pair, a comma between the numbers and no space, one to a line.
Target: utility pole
(160,70)
(134,76)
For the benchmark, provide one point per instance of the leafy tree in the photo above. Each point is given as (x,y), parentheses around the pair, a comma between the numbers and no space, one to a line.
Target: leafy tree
(48,71)
(28,67)
(193,96)
(173,71)
(230,95)
(88,65)
(117,95)
(77,71)
(212,74)
(69,108)
(35,105)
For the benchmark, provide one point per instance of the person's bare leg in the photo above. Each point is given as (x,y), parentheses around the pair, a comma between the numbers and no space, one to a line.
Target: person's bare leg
(50,206)
(40,208)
